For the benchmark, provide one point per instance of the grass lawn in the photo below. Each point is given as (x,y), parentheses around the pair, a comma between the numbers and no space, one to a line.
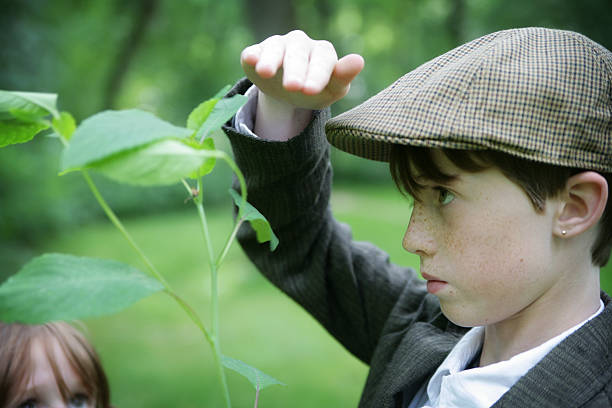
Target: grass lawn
(155,357)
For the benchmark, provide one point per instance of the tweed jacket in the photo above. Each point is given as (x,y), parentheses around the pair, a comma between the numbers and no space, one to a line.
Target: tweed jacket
(378,311)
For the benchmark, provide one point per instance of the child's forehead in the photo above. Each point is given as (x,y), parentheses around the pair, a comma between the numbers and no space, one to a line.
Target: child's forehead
(46,350)
(427,164)
(49,360)
(441,160)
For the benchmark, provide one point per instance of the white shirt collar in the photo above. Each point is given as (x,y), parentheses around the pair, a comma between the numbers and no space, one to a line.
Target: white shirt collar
(451,386)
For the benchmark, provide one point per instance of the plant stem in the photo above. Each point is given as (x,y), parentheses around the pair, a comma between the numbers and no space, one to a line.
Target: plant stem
(111,215)
(224,156)
(192,315)
(117,223)
(214,296)
(256,395)
(228,244)
(239,175)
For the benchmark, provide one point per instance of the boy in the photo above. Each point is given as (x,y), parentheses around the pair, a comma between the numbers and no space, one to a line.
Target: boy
(504,143)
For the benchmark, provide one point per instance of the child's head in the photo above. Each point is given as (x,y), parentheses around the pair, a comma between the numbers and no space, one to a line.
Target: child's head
(51,365)
(524,117)
(504,232)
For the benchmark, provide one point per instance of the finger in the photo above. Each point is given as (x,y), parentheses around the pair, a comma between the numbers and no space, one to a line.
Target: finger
(323,58)
(348,67)
(250,55)
(271,56)
(345,71)
(295,64)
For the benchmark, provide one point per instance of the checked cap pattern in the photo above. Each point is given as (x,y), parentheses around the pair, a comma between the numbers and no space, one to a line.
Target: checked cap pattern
(535,93)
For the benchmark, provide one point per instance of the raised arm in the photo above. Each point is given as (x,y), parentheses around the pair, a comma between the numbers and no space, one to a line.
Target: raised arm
(350,287)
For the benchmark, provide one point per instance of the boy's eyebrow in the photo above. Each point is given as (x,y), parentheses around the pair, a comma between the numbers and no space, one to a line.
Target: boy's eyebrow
(424,180)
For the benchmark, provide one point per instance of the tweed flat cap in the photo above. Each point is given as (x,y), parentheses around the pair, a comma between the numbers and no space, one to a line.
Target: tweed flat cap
(535,93)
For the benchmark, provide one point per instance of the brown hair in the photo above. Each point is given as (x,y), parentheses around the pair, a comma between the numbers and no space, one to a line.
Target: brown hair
(16,363)
(540,181)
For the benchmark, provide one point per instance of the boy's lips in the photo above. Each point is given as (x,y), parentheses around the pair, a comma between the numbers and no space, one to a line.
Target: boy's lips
(434,284)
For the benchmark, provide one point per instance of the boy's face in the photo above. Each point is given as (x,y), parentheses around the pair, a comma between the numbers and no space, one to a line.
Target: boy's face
(485,251)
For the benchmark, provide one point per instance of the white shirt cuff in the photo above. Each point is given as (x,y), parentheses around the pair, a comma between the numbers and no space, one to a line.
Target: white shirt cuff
(245,117)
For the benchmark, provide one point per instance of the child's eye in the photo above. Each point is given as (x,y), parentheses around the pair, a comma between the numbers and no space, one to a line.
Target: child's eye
(78,401)
(444,196)
(29,403)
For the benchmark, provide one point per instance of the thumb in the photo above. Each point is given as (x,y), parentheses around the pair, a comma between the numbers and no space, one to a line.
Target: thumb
(346,69)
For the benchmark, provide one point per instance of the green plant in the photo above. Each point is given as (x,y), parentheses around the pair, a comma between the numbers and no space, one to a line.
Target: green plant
(133,147)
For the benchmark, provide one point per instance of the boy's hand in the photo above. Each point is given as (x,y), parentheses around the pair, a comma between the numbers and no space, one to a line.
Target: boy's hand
(299,71)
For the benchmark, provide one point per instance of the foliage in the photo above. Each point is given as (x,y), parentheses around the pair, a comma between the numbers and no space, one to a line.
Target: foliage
(257,378)
(133,147)
(64,287)
(152,356)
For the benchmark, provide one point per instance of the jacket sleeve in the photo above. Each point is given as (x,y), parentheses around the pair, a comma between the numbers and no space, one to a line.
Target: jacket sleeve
(349,287)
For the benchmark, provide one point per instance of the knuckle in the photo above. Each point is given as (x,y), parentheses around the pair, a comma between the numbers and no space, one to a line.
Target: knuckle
(297,52)
(271,40)
(251,49)
(325,45)
(297,34)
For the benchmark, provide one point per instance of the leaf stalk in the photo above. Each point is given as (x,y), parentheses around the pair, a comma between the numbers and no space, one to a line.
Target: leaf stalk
(214,295)
(154,272)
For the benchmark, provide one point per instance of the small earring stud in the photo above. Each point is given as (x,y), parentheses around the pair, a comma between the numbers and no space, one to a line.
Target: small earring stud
(563,232)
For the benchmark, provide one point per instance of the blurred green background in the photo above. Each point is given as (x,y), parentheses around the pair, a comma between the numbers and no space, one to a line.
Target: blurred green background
(166,57)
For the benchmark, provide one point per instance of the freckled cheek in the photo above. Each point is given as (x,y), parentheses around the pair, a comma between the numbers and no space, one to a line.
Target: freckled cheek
(487,256)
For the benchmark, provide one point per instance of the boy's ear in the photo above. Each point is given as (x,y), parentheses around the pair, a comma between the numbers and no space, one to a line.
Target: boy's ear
(582,204)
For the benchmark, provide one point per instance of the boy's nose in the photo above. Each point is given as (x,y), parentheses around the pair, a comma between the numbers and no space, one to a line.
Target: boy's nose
(417,238)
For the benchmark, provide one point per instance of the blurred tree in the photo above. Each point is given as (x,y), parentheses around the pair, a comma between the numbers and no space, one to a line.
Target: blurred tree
(144,11)
(456,21)
(269,17)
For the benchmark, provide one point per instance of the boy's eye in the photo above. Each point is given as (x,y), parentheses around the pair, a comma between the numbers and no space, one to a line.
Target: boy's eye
(78,401)
(444,196)
(29,403)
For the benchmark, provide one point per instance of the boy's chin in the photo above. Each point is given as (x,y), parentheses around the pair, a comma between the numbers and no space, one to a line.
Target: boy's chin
(463,318)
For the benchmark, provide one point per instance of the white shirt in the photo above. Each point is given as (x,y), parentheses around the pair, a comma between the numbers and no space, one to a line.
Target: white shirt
(452,386)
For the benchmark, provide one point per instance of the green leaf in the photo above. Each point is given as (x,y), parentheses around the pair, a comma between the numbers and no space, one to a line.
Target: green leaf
(13,131)
(29,106)
(27,117)
(161,163)
(221,113)
(65,125)
(209,164)
(200,113)
(259,379)
(65,287)
(111,132)
(259,223)
(222,92)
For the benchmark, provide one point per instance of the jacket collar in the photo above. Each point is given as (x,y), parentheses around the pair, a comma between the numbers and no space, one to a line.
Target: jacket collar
(573,372)
(422,345)
(570,374)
